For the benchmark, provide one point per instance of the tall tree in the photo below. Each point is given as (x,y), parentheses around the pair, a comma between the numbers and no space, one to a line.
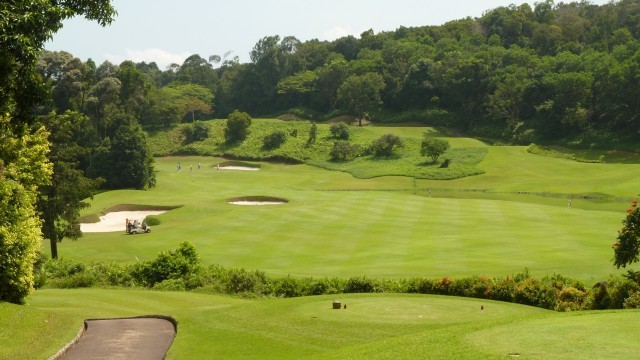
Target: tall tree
(25,26)
(360,94)
(61,200)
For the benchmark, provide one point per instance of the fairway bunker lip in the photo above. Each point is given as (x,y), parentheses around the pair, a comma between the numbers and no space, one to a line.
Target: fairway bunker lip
(256,200)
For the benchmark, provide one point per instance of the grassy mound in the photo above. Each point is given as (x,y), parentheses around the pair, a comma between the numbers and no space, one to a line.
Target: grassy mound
(464,155)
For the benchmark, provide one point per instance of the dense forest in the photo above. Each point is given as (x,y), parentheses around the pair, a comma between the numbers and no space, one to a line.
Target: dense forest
(566,72)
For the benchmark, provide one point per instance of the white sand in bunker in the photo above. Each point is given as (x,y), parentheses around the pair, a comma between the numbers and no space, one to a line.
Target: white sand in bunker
(115,221)
(244,168)
(257,202)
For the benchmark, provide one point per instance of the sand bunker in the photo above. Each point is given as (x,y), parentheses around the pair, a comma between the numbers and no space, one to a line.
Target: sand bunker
(257,200)
(244,168)
(115,221)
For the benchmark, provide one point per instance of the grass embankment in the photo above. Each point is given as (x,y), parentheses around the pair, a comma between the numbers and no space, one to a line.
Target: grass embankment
(464,154)
(372,326)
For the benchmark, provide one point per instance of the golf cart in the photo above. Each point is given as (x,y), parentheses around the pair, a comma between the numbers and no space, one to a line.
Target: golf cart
(137,227)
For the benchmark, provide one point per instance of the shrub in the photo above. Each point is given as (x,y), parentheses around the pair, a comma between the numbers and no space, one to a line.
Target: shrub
(78,280)
(343,150)
(433,147)
(112,274)
(569,299)
(152,220)
(197,131)
(359,285)
(340,131)
(237,129)
(313,133)
(384,145)
(287,287)
(175,264)
(247,283)
(63,267)
(274,140)
(322,286)
(633,301)
(421,286)
(170,285)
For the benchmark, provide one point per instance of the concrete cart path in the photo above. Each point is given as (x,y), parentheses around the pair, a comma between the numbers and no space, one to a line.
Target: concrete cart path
(132,338)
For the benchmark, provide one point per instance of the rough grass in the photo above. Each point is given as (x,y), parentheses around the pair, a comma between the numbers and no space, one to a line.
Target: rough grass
(464,155)
(372,327)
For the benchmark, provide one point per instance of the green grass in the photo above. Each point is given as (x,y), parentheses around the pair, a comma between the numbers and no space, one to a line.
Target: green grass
(513,215)
(337,225)
(465,153)
(373,326)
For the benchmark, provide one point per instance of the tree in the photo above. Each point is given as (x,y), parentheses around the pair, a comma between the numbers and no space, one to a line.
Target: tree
(61,200)
(384,145)
(433,147)
(124,160)
(361,93)
(313,133)
(237,127)
(24,28)
(627,248)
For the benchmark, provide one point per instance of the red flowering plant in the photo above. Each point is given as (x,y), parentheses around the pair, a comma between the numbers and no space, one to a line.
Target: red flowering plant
(627,248)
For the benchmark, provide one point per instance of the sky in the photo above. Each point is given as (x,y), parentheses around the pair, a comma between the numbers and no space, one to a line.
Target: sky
(168,31)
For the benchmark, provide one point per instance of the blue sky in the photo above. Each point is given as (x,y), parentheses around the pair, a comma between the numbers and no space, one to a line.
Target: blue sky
(168,31)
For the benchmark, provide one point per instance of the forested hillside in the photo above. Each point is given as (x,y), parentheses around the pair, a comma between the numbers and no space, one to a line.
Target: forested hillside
(554,72)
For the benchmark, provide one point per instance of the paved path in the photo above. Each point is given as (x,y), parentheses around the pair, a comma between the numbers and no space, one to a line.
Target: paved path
(133,338)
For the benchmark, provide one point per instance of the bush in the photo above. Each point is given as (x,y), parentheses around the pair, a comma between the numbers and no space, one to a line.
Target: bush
(237,127)
(152,220)
(322,286)
(433,147)
(633,301)
(274,140)
(359,285)
(343,150)
(313,134)
(340,131)
(197,131)
(175,264)
(287,287)
(384,145)
(247,283)
(170,285)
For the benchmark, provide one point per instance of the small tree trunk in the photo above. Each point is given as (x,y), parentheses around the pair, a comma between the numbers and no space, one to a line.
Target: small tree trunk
(54,248)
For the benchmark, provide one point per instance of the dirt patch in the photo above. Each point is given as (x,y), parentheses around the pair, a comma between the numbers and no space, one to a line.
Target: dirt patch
(257,200)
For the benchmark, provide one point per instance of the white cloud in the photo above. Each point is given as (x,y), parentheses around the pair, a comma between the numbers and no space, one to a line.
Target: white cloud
(159,56)
(341,31)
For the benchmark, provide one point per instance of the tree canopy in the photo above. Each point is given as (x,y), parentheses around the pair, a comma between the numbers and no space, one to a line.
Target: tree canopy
(24,167)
